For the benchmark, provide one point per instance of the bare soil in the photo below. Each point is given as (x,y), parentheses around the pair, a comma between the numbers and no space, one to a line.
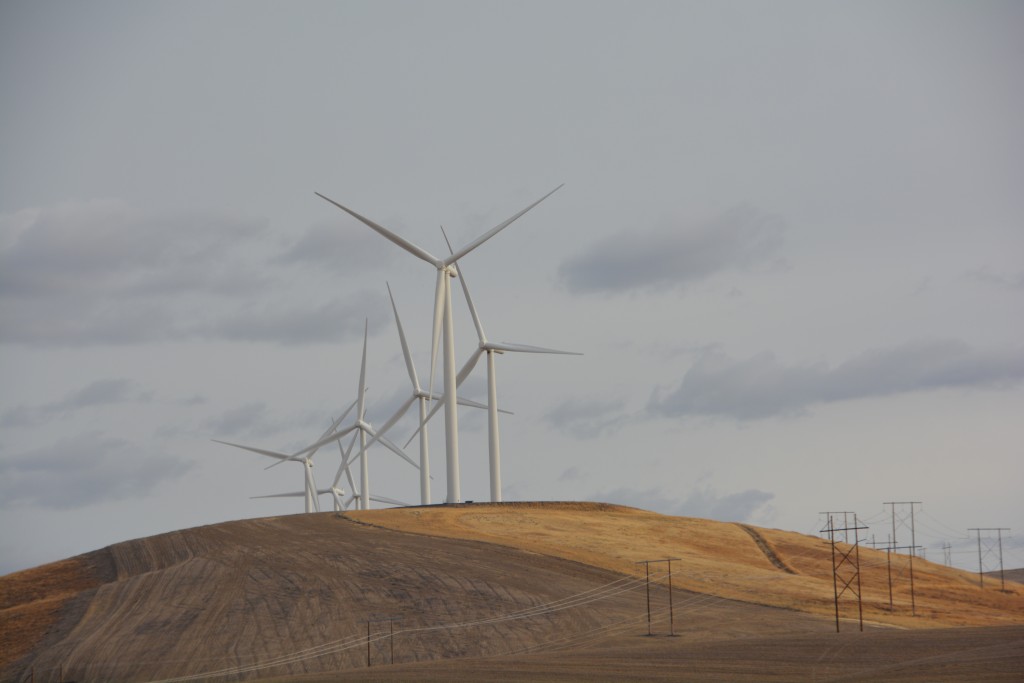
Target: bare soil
(532,592)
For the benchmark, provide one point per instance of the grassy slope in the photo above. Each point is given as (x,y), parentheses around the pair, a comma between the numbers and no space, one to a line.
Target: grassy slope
(720,558)
(225,571)
(33,601)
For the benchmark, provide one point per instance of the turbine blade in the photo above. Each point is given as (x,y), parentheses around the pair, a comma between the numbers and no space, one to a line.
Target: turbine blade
(472,309)
(378,434)
(525,348)
(362,373)
(344,415)
(397,451)
(405,345)
(493,231)
(271,454)
(388,501)
(436,330)
(438,404)
(400,241)
(327,439)
(329,430)
(294,494)
(468,367)
(447,241)
(345,461)
(471,403)
(467,402)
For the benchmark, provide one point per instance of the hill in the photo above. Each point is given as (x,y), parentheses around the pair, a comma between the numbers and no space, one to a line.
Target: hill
(521,591)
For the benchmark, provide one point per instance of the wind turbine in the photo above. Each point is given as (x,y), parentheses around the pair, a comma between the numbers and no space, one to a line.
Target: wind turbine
(492,348)
(340,505)
(443,310)
(418,394)
(311,493)
(305,457)
(366,429)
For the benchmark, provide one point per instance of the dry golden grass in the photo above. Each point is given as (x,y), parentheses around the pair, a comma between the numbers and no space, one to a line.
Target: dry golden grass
(720,558)
(31,601)
(241,593)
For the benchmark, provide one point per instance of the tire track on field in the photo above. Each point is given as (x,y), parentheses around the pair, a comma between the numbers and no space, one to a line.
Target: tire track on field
(766,549)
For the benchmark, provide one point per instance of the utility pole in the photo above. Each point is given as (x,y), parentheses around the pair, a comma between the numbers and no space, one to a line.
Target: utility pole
(375,619)
(913,542)
(844,558)
(947,553)
(671,620)
(889,549)
(981,568)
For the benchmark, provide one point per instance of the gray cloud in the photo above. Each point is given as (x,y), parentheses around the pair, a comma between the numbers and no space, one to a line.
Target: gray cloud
(339,247)
(103,272)
(103,247)
(701,502)
(588,418)
(572,474)
(106,273)
(991,277)
(330,322)
(100,392)
(83,470)
(761,386)
(674,257)
(250,418)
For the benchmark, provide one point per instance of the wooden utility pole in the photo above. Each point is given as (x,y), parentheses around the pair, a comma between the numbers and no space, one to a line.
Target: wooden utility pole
(913,542)
(671,620)
(376,620)
(844,558)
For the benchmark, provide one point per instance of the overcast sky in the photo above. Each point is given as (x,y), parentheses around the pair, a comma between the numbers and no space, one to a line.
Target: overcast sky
(790,245)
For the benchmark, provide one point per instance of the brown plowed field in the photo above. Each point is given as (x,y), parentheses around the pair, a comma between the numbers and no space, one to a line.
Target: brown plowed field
(533,592)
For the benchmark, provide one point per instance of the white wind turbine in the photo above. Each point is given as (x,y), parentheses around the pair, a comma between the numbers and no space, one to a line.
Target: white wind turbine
(337,494)
(418,394)
(311,493)
(304,457)
(365,430)
(340,504)
(492,348)
(443,310)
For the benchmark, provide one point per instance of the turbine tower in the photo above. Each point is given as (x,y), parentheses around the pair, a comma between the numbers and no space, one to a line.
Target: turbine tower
(365,430)
(492,348)
(418,394)
(341,505)
(443,310)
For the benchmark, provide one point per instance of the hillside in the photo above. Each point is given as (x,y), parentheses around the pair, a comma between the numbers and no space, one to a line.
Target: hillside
(763,566)
(516,582)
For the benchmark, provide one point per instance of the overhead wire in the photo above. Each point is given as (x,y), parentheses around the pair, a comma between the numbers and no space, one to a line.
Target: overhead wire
(611,589)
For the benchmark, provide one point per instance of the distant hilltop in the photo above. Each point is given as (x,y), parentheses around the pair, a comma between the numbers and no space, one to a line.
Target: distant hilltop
(417,590)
